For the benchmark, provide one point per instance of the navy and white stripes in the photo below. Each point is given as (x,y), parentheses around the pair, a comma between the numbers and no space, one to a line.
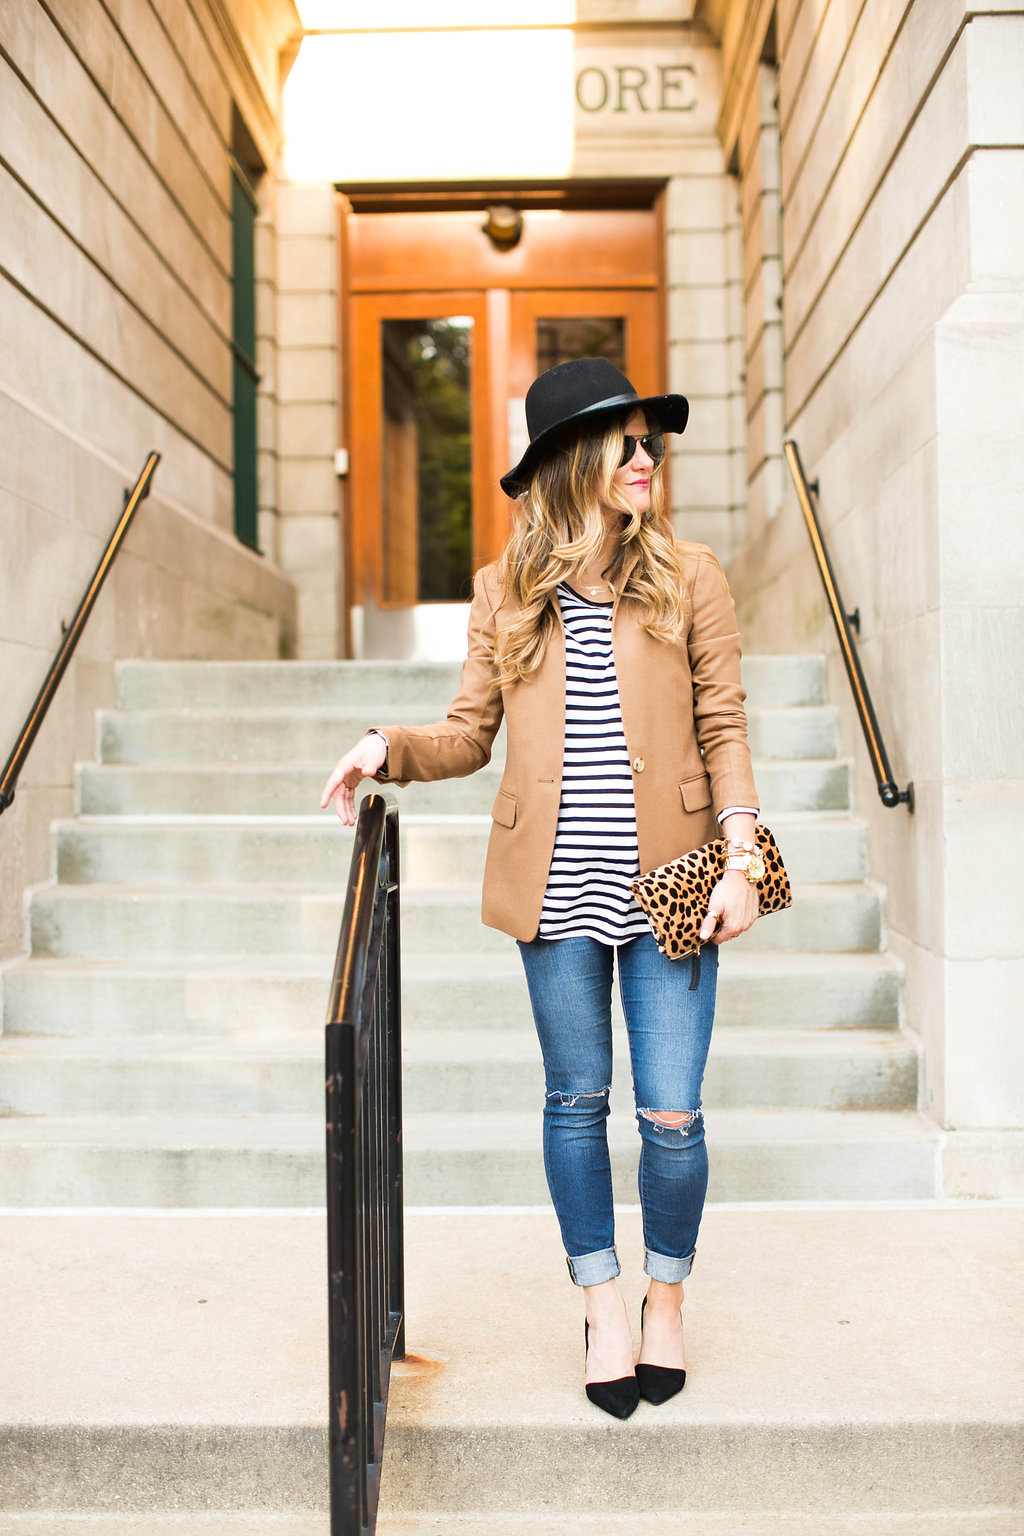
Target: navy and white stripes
(595,854)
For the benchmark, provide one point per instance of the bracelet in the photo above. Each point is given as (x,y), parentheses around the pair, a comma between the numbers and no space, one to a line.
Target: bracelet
(748,877)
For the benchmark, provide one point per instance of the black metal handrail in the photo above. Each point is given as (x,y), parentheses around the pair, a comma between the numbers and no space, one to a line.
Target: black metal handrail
(365,1242)
(72,635)
(845,623)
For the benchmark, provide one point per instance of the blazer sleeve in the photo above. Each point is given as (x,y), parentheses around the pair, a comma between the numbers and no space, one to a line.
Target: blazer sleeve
(718,694)
(461,743)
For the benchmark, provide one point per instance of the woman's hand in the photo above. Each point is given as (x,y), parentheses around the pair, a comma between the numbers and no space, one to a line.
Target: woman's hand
(365,759)
(732,909)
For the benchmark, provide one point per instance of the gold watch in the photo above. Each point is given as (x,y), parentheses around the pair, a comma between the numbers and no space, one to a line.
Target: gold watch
(751,865)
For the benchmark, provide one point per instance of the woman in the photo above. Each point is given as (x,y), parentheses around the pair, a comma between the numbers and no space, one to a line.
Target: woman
(613,655)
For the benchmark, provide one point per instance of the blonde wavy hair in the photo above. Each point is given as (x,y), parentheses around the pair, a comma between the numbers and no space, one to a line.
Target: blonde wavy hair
(560,527)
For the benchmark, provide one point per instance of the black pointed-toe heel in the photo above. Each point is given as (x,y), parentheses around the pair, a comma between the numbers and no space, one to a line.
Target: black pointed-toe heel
(619,1397)
(657,1383)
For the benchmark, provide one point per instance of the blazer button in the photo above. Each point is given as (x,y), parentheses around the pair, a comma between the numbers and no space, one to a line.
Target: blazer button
(638,765)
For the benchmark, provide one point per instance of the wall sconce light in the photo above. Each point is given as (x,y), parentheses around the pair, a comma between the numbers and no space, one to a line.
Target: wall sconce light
(504,226)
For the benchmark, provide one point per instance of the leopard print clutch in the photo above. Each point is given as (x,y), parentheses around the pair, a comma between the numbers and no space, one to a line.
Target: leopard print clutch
(676,897)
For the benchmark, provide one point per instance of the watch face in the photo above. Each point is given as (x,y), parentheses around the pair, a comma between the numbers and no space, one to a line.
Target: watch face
(755,868)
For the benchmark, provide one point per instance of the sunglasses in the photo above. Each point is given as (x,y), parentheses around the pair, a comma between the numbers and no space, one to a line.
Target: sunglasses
(653,445)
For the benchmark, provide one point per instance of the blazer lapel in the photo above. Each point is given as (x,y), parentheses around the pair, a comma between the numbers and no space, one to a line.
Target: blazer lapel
(549,702)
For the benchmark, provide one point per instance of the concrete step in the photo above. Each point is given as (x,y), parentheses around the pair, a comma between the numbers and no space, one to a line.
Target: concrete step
(437,851)
(749,1068)
(286,735)
(160,1076)
(307,852)
(492,1157)
(793,734)
(215,1522)
(168,1161)
(477,1158)
(222,1522)
(114,921)
(444,1071)
(771,681)
(112,789)
(172,1366)
(833,918)
(837,918)
(261,995)
(144,685)
(262,735)
(258,850)
(180,991)
(506,1523)
(807,991)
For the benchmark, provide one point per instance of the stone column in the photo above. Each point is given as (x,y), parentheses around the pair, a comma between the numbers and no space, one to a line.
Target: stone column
(705,351)
(308,532)
(266,363)
(762,299)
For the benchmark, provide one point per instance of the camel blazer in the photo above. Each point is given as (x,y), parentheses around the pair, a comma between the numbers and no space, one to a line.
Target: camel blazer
(682,714)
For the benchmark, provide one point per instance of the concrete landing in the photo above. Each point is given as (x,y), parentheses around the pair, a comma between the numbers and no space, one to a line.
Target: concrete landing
(671,1520)
(263,1523)
(214,1523)
(842,1361)
(839,1360)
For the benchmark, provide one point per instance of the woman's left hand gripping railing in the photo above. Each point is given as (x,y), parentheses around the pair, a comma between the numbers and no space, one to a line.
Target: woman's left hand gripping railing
(365,1248)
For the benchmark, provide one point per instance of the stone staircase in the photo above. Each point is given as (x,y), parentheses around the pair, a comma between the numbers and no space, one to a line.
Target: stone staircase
(162,1052)
(162,1038)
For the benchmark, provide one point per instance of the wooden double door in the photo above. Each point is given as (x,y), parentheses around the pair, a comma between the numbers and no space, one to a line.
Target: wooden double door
(445,334)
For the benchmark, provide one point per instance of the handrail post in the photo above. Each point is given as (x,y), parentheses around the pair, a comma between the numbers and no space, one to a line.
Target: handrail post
(72,635)
(396,1191)
(366,1293)
(344,1263)
(889,792)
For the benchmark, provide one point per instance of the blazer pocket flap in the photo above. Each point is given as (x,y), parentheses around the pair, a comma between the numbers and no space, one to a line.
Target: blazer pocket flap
(696,793)
(503,811)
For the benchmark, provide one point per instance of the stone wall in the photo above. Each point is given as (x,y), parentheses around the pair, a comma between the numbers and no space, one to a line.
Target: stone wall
(902,177)
(116,129)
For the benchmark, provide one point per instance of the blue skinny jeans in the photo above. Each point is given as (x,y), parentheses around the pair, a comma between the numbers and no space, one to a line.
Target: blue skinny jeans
(669,1027)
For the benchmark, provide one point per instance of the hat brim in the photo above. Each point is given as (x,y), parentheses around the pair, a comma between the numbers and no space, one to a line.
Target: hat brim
(670,412)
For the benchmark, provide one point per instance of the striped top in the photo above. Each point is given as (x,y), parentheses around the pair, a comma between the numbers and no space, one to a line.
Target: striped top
(595,854)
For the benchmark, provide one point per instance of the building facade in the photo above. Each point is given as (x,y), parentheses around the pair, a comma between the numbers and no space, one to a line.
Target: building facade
(124,138)
(316,265)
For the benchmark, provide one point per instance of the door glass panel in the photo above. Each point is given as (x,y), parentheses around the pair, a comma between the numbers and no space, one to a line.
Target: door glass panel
(427,460)
(564,337)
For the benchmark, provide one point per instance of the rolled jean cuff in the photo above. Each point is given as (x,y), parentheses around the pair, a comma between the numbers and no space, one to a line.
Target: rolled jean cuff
(594,1268)
(670,1271)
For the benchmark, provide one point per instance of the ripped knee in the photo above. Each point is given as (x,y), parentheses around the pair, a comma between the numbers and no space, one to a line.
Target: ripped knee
(682,1120)
(588,1098)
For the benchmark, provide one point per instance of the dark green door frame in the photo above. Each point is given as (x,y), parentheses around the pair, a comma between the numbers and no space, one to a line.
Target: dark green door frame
(243,337)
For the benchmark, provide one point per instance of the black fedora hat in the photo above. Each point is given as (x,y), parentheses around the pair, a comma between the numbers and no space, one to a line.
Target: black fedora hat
(579,391)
